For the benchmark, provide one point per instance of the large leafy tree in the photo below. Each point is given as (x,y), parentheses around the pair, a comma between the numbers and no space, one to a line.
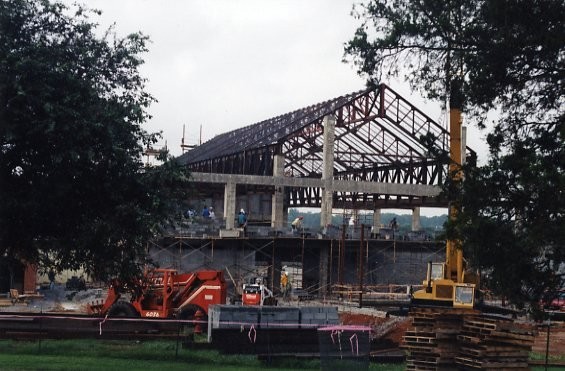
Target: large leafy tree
(74,190)
(482,56)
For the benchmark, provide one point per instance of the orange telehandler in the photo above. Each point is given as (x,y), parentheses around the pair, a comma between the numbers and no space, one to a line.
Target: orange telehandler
(164,293)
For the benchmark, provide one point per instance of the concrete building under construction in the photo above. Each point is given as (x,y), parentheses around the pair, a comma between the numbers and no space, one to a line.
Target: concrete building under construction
(354,155)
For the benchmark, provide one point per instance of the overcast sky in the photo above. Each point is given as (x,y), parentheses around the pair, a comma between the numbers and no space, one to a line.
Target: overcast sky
(224,64)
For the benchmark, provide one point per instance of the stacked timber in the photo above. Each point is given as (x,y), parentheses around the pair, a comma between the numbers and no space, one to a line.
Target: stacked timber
(431,340)
(458,339)
(494,343)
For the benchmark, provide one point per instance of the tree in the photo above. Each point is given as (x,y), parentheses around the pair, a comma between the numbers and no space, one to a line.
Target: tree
(506,56)
(75,193)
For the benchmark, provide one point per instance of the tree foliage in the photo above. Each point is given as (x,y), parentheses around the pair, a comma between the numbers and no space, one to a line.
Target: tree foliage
(74,190)
(504,53)
(503,56)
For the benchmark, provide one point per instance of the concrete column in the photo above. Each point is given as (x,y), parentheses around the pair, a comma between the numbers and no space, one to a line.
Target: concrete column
(277,207)
(229,205)
(376,220)
(416,219)
(327,206)
(328,170)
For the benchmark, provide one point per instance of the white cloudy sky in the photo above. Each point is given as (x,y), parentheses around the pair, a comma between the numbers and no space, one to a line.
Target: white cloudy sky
(224,64)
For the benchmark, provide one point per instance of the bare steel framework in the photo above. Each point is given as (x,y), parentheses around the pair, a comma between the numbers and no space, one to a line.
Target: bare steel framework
(379,137)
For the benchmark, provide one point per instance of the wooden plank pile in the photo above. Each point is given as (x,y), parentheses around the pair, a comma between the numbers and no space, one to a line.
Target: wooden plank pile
(449,339)
(494,343)
(431,341)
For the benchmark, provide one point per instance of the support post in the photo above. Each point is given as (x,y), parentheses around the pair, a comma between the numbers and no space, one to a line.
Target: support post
(277,208)
(328,171)
(416,226)
(229,205)
(376,221)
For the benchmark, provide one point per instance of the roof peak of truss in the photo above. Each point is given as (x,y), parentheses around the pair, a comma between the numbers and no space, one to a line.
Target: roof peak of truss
(266,132)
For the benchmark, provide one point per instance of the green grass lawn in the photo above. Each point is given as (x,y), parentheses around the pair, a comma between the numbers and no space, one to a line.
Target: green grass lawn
(132,355)
(146,355)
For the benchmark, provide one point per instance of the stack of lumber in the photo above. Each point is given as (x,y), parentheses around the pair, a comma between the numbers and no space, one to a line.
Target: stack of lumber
(494,343)
(451,339)
(431,340)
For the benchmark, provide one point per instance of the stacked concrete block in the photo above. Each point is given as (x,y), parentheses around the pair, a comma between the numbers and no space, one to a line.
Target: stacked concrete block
(268,329)
(233,233)
(270,317)
(232,316)
(354,232)
(279,317)
(313,317)
(200,227)
(259,231)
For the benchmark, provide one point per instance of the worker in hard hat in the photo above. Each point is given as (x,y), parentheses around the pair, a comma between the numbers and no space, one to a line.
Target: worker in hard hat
(297,223)
(285,284)
(242,221)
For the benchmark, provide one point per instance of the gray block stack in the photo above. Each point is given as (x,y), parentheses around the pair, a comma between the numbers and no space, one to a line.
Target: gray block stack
(313,317)
(270,317)
(279,317)
(232,316)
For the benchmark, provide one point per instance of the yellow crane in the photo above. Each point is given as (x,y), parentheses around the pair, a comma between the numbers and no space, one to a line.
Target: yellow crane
(446,283)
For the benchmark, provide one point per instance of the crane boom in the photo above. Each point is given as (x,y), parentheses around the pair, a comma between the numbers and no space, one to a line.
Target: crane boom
(445,283)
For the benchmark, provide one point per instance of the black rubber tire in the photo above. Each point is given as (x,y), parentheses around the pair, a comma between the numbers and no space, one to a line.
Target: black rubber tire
(188,312)
(122,309)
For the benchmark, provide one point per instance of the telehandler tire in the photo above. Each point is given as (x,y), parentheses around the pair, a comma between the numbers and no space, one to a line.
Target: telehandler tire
(122,309)
(188,312)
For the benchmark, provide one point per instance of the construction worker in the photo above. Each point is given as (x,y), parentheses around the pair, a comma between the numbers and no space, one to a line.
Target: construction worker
(285,283)
(212,213)
(242,221)
(297,223)
(205,212)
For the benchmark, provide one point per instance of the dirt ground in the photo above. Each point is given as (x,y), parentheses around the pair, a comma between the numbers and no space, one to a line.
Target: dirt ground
(388,332)
(556,339)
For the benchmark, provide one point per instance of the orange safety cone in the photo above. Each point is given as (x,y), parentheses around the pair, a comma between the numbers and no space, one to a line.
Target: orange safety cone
(198,316)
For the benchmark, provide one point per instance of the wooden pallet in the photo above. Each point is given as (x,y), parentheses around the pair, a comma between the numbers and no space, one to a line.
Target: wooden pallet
(491,364)
(430,341)
(494,343)
(448,339)
(486,352)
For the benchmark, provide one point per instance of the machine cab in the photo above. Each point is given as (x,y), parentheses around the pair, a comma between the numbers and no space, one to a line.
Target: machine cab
(438,290)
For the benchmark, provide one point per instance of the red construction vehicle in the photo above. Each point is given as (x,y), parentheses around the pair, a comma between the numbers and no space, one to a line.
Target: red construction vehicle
(164,293)
(555,302)
(257,293)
